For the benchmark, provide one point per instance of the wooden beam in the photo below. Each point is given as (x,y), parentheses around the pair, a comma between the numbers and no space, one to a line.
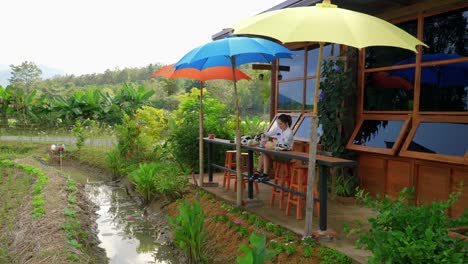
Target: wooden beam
(268,67)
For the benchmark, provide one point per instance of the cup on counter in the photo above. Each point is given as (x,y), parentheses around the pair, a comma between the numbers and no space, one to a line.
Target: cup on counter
(211,136)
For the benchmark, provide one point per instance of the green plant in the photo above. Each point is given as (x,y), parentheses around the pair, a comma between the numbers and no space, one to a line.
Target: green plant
(189,234)
(116,163)
(80,133)
(331,256)
(256,254)
(70,212)
(337,83)
(260,223)
(184,127)
(405,233)
(290,248)
(252,218)
(289,236)
(72,199)
(143,179)
(253,126)
(308,251)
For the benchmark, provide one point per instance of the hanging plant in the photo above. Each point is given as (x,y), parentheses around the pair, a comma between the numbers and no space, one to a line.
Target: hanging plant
(336,84)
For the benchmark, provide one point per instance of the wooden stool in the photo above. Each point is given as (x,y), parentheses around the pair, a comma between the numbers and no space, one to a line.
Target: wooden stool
(230,163)
(282,177)
(299,184)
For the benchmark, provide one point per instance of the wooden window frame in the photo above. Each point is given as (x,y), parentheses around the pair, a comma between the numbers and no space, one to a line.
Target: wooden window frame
(398,141)
(404,152)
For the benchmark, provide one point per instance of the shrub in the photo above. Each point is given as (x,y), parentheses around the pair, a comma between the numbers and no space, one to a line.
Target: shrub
(405,233)
(184,127)
(258,253)
(80,133)
(189,234)
(153,123)
(161,177)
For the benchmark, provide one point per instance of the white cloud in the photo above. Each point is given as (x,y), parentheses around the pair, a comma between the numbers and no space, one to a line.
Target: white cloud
(86,36)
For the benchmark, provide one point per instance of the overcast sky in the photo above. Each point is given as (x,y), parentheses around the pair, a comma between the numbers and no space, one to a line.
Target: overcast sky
(90,36)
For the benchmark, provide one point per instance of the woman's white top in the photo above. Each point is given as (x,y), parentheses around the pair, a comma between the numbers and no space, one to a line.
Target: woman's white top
(285,137)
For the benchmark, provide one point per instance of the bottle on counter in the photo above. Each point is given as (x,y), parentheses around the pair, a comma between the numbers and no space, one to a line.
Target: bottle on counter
(263,140)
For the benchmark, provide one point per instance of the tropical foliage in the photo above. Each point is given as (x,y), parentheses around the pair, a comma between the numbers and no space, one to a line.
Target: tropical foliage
(405,233)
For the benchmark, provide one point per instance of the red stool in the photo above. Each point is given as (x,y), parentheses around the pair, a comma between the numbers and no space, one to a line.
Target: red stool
(299,184)
(230,163)
(282,177)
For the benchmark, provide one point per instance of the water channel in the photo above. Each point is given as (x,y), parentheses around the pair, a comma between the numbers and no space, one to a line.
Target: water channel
(127,232)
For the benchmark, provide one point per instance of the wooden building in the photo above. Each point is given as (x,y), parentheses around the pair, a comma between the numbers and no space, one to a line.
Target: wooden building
(407,119)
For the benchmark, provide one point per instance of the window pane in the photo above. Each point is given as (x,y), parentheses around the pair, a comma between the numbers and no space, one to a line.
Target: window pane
(274,125)
(447,33)
(296,66)
(386,56)
(310,93)
(389,90)
(303,131)
(444,87)
(441,138)
(312,57)
(378,133)
(290,95)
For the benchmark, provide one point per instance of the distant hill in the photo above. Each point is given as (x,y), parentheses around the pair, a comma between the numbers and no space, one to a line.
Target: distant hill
(47,72)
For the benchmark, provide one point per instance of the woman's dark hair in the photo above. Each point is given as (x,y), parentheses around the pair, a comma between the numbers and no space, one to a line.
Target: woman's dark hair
(285,119)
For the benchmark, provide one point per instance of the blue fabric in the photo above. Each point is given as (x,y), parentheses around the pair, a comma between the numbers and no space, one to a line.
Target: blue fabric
(243,49)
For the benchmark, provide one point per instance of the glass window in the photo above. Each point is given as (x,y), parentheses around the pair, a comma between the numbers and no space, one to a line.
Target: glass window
(290,95)
(294,117)
(447,33)
(312,56)
(440,138)
(310,93)
(379,134)
(444,87)
(389,90)
(379,56)
(303,129)
(296,66)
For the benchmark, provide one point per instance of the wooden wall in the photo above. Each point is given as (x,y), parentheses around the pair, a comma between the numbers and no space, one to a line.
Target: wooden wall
(380,174)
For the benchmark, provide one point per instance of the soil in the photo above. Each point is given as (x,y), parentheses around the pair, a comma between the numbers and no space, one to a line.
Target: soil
(43,240)
(39,240)
(222,243)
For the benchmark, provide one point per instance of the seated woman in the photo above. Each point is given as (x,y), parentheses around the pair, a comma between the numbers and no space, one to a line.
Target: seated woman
(285,141)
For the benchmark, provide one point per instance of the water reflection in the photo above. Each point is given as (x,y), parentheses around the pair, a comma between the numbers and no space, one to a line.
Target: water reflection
(124,229)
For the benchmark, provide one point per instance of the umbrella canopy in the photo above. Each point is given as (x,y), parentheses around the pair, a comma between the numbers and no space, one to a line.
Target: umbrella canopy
(324,23)
(444,75)
(234,51)
(214,73)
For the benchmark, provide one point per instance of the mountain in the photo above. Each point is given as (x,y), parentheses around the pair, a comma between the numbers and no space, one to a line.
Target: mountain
(47,72)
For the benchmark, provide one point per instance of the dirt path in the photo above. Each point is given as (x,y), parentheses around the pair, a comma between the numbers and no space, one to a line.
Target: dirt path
(44,240)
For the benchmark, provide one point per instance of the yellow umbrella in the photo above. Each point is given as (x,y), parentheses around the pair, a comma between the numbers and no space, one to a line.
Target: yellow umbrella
(324,23)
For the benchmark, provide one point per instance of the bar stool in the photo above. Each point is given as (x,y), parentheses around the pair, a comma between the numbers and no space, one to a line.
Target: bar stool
(230,163)
(283,170)
(299,184)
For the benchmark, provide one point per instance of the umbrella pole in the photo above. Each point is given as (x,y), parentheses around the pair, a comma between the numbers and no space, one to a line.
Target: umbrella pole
(200,175)
(313,151)
(238,137)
